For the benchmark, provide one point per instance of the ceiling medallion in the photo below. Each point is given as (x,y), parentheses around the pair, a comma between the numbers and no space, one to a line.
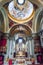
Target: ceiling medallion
(20,13)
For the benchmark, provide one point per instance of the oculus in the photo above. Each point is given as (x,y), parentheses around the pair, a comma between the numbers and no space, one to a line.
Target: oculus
(21,2)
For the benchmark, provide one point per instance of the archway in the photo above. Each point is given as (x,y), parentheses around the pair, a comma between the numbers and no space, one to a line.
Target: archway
(20,34)
(4,26)
(38,27)
(20,28)
(20,42)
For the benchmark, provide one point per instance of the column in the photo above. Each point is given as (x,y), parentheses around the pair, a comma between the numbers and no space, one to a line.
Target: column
(10,48)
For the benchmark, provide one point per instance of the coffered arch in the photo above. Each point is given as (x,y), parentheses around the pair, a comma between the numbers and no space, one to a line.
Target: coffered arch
(22,28)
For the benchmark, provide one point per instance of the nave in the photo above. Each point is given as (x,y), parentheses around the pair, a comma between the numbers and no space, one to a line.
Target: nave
(21,32)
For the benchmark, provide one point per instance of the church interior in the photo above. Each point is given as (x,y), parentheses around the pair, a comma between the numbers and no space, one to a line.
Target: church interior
(21,32)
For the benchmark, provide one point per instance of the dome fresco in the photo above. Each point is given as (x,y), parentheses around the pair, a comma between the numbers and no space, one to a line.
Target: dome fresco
(21,32)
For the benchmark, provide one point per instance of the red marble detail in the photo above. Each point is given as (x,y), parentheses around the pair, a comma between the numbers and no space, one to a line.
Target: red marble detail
(10,22)
(10,61)
(30,24)
(3,42)
(1,59)
(39,59)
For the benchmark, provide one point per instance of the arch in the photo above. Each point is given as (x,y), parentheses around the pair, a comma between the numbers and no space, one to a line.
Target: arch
(37,2)
(41,24)
(37,20)
(4,20)
(20,29)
